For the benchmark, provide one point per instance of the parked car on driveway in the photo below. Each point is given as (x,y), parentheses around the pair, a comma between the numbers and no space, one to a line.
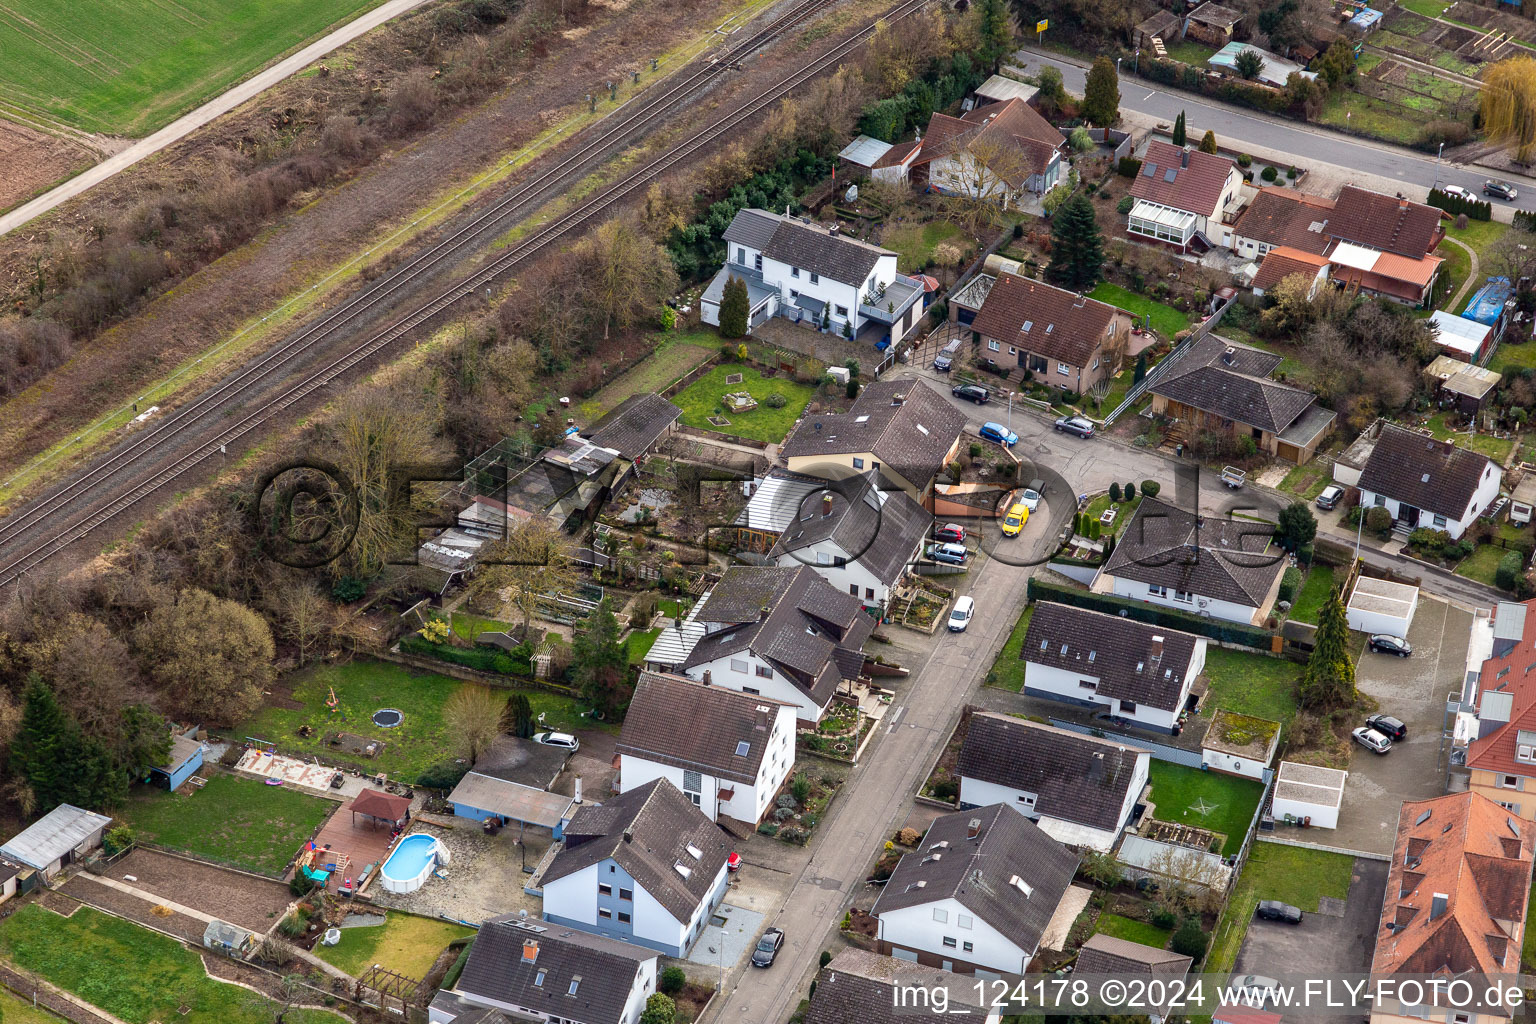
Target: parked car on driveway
(1386,643)
(1372,740)
(971,393)
(558,739)
(1014,521)
(1457,191)
(954,554)
(768,948)
(950,533)
(1274,910)
(1030,499)
(1074,425)
(999,433)
(1500,190)
(1329,498)
(1392,728)
(960,614)
(945,359)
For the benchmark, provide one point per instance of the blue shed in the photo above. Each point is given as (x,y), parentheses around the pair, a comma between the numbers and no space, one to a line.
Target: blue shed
(186,758)
(1487,303)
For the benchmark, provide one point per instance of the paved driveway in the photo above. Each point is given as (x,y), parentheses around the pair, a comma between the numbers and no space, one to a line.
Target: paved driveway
(1412,689)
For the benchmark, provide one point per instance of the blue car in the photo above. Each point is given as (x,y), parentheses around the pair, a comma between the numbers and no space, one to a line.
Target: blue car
(999,433)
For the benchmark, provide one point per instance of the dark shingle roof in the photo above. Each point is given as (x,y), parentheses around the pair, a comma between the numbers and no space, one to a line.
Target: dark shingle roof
(632,427)
(878,529)
(1049,321)
(1418,470)
(1074,778)
(1237,560)
(1233,382)
(1117,958)
(499,969)
(980,872)
(911,437)
(1195,188)
(659,823)
(1117,650)
(753,228)
(1385,222)
(1215,14)
(1012,123)
(1283,216)
(719,722)
(859,987)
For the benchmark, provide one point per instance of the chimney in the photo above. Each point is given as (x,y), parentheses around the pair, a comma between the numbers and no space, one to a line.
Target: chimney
(898,398)
(973,828)
(826,505)
(1402,205)
(1437,905)
(761,722)
(1450,445)
(708,677)
(1229,356)
(1184,157)
(530,951)
(1157,647)
(629,836)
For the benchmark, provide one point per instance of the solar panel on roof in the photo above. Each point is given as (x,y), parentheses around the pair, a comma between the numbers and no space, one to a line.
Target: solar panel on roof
(1150,171)
(1170,174)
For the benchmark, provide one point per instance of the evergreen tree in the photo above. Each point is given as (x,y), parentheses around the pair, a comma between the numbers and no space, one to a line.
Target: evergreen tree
(39,751)
(1180,132)
(1140,373)
(996,32)
(517,717)
(1077,248)
(1329,679)
(1101,94)
(1114,491)
(600,663)
(1208,143)
(734,307)
(1298,526)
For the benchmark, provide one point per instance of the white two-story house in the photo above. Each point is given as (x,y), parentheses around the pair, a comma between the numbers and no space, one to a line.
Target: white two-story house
(1427,483)
(644,867)
(796,268)
(728,752)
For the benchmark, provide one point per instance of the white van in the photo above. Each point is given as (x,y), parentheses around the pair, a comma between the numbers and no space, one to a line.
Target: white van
(960,615)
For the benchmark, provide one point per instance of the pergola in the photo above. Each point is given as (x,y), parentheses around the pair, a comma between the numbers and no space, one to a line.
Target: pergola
(379,806)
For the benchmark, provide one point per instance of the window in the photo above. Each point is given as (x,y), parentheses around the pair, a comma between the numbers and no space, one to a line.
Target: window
(741,255)
(1037,364)
(627,894)
(794,271)
(1063,369)
(964,920)
(822,558)
(693,782)
(950,942)
(869,593)
(1183,595)
(750,689)
(604,889)
(623,917)
(738,665)
(1088,684)
(793,294)
(764,672)
(841,311)
(1157,591)
(853,589)
(1515,808)
(575,984)
(1095,363)
(815,278)
(940,915)
(538,979)
(967,947)
(605,913)
(1128,706)
(1381,501)
(757,263)
(1440,525)
(1510,782)
(1523,752)
(1461,1018)
(993,346)
(858,463)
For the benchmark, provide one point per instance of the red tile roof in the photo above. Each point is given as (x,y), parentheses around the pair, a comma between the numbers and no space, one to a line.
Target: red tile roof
(1197,183)
(1385,222)
(1511,667)
(1456,892)
(1284,261)
(1283,216)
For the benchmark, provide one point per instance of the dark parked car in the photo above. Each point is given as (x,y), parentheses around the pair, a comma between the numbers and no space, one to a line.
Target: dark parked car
(971,393)
(1274,910)
(1386,643)
(767,948)
(1330,497)
(1392,728)
(1075,425)
(1500,190)
(950,533)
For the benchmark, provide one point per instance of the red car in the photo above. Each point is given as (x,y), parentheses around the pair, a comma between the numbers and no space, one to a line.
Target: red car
(950,533)
(733,862)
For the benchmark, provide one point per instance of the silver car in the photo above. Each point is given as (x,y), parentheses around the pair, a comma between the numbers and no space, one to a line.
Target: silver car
(558,739)
(1372,740)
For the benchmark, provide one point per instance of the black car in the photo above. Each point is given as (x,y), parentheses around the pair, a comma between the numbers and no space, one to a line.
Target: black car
(1500,190)
(1386,643)
(767,948)
(1392,728)
(971,393)
(1274,910)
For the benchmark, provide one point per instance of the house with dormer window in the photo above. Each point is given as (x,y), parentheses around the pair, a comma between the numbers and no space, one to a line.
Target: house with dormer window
(1181,197)
(1426,482)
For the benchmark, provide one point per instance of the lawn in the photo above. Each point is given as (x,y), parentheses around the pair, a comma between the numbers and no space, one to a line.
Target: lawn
(1125,510)
(1132,930)
(702,399)
(1457,265)
(1428,8)
(363,687)
(1118,386)
(1481,564)
(1293,874)
(1166,320)
(1512,358)
(232,820)
(1008,670)
(672,358)
(1250,684)
(404,943)
(638,643)
(1221,803)
(671,607)
(1314,591)
(914,243)
(1496,448)
(126,68)
(468,625)
(1306,481)
(1189,52)
(1527,949)
(1369,115)
(15,1011)
(130,972)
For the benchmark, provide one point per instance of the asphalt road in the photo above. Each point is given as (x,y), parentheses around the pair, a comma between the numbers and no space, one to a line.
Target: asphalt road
(1415,172)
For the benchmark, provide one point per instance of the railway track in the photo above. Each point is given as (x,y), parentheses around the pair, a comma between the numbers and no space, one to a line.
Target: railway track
(138,453)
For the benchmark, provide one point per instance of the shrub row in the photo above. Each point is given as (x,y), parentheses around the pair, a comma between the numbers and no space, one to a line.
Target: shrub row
(1477,209)
(516,662)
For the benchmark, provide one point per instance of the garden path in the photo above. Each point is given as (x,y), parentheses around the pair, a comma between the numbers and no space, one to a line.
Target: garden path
(1471,272)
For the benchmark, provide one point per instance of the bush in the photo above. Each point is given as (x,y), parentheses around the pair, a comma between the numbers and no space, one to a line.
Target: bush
(299,886)
(1190,939)
(1292,173)
(1114,492)
(1128,167)
(801,788)
(1477,209)
(1510,571)
(348,589)
(1290,582)
(671,981)
(1304,553)
(117,838)
(1244,161)
(443,775)
(976,451)
(824,959)
(1149,488)
(1162,917)
(1378,520)
(775,401)
(946,789)
(1125,204)
(1269,174)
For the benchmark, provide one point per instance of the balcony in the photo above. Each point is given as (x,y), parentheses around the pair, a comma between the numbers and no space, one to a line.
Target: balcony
(890,305)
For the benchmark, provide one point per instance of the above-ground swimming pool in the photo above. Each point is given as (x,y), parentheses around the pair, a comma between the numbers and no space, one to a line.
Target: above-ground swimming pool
(413,860)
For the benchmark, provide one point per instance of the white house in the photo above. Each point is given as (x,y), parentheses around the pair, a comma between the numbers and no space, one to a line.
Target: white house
(1428,483)
(1218,568)
(534,971)
(977,897)
(798,269)
(1003,151)
(644,867)
(1133,670)
(1080,790)
(1182,197)
(732,758)
(782,633)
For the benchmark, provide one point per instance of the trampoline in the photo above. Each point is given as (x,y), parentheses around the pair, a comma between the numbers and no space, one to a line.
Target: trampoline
(388,718)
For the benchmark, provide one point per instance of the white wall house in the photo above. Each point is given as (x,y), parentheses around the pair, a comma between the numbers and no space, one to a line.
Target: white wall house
(964,174)
(1406,512)
(1424,482)
(1180,192)
(629,913)
(745,672)
(1169,597)
(947,926)
(1082,688)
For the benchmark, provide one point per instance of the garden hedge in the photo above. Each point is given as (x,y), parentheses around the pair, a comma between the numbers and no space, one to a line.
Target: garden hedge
(1477,209)
(517,662)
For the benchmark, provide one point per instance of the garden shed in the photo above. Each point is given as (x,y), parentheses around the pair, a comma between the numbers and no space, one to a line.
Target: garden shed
(1381,606)
(1308,794)
(57,839)
(1239,744)
(479,797)
(185,759)
(228,939)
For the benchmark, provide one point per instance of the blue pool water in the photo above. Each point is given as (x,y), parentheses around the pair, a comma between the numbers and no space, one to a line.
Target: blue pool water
(410,858)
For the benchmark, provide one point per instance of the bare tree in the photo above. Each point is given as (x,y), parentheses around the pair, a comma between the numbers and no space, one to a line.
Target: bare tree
(473,717)
(626,273)
(535,558)
(986,177)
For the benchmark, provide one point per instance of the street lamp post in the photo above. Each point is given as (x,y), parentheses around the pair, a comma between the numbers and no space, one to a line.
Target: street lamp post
(1010,409)
(1437,164)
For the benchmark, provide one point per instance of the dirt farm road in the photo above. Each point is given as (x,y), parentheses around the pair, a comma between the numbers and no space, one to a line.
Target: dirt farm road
(190,122)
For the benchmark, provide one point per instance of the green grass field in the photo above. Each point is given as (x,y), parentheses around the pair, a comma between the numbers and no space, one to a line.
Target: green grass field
(1482,564)
(673,357)
(15,1011)
(125,67)
(914,243)
(131,972)
(1221,803)
(1166,320)
(1274,872)
(700,399)
(403,943)
(232,820)
(1008,670)
(1314,591)
(1251,684)
(1132,930)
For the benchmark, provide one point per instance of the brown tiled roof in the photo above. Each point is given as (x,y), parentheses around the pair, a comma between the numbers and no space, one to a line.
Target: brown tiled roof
(1283,261)
(896,154)
(1009,123)
(1284,216)
(979,872)
(1044,319)
(1237,560)
(1195,188)
(1414,468)
(1232,381)
(881,530)
(1469,882)
(1074,777)
(509,956)
(719,721)
(632,427)
(647,832)
(859,987)
(1116,957)
(911,438)
(1119,651)
(1384,222)
(1511,666)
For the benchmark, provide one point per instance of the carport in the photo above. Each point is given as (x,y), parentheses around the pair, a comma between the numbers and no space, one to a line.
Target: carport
(479,797)
(1308,794)
(1381,606)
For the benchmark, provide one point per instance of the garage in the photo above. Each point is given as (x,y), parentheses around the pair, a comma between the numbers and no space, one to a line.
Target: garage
(1381,606)
(1308,795)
